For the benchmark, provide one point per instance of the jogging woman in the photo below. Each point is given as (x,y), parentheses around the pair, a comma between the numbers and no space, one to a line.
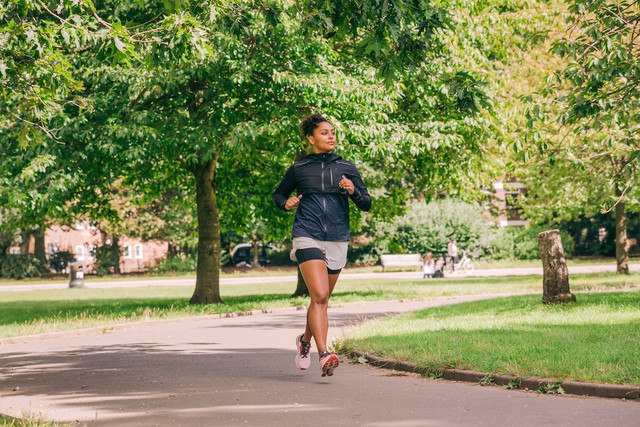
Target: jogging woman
(324,182)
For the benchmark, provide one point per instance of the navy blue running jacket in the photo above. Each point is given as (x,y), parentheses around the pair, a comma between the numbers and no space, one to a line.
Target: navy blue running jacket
(323,212)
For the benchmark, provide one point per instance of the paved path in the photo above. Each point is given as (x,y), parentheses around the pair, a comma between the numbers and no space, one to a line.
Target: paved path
(239,371)
(579,269)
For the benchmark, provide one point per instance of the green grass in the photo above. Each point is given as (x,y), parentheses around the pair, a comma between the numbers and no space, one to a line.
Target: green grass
(291,270)
(41,311)
(27,422)
(594,340)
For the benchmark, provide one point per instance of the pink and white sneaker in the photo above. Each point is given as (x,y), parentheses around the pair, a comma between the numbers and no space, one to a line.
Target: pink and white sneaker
(302,355)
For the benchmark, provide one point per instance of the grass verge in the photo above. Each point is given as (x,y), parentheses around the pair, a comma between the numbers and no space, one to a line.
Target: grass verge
(41,311)
(27,422)
(594,340)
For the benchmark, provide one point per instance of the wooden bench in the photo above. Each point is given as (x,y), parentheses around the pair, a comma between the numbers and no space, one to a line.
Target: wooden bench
(400,260)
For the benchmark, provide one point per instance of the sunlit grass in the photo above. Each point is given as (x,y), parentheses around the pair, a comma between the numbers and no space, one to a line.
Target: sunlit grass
(594,340)
(41,311)
(27,422)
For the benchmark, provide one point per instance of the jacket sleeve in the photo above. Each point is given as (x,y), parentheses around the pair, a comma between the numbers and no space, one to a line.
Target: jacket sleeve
(284,190)
(360,195)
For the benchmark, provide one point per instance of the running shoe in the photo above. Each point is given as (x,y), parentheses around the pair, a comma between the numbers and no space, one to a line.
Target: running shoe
(302,355)
(328,363)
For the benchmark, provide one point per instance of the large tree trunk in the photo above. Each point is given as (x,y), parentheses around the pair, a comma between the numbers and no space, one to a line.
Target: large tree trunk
(301,287)
(622,254)
(555,281)
(208,269)
(39,245)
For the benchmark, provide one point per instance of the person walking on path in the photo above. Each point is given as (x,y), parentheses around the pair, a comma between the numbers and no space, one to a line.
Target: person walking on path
(324,182)
(452,250)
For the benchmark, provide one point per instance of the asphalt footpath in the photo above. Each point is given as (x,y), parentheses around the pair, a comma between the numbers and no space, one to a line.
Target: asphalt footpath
(239,371)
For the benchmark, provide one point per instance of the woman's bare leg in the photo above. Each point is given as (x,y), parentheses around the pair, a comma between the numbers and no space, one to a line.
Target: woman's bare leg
(317,280)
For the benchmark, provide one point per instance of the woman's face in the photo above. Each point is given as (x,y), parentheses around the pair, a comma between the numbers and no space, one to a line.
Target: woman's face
(323,139)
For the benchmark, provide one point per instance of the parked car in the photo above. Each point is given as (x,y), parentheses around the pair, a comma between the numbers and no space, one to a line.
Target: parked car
(242,255)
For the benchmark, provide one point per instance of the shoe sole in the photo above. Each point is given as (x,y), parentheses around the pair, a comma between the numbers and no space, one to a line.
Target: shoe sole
(330,366)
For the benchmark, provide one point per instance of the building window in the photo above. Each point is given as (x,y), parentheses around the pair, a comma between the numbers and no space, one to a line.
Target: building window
(14,250)
(80,253)
(91,253)
(52,248)
(138,251)
(126,252)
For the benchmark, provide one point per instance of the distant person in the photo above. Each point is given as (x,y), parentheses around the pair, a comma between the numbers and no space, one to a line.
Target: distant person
(452,250)
(439,267)
(324,183)
(428,265)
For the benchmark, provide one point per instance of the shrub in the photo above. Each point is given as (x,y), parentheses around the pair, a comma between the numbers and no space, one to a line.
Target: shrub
(176,263)
(107,259)
(428,227)
(60,260)
(22,266)
(521,243)
(280,257)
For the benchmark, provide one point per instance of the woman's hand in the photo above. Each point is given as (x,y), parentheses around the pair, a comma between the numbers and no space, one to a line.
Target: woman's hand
(347,184)
(292,202)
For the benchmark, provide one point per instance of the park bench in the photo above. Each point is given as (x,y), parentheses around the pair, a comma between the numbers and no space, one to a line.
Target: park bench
(400,260)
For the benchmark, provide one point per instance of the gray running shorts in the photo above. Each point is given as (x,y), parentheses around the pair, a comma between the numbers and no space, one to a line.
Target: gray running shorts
(335,253)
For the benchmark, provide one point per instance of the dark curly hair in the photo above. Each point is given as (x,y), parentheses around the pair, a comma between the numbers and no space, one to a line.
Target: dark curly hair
(310,123)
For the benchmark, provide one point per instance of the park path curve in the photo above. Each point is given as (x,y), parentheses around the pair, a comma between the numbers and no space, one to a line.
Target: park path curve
(239,371)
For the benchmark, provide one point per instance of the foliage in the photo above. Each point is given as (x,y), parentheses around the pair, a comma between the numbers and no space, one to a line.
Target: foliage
(520,243)
(206,96)
(30,421)
(604,67)
(590,162)
(429,227)
(175,263)
(21,266)
(584,125)
(60,260)
(107,258)
(281,257)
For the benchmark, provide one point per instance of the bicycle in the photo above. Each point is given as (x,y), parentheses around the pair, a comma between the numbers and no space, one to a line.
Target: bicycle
(464,264)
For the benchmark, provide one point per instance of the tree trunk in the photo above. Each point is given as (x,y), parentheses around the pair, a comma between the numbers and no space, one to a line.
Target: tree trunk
(39,245)
(25,240)
(301,287)
(256,252)
(555,281)
(208,268)
(115,250)
(622,254)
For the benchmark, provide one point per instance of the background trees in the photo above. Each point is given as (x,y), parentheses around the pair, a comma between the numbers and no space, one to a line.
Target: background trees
(178,102)
(589,155)
(207,97)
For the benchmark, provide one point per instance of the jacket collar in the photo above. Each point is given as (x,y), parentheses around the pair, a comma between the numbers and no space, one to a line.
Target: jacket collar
(324,157)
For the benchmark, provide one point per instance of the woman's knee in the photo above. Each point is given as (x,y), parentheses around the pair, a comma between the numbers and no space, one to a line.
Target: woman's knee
(320,298)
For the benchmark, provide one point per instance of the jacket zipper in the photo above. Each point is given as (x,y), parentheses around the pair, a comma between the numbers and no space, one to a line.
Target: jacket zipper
(324,205)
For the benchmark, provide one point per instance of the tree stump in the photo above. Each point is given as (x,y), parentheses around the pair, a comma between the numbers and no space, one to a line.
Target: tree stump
(555,279)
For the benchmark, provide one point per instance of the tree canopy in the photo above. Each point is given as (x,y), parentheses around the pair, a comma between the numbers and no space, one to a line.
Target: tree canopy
(585,123)
(206,96)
